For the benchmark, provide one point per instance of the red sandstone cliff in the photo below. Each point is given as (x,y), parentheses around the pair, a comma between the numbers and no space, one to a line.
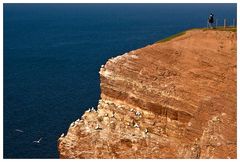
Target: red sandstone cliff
(175,99)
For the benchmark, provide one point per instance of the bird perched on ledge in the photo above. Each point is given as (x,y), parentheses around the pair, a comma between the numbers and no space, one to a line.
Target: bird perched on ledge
(93,109)
(136,125)
(138,113)
(98,127)
(146,131)
(61,137)
(72,124)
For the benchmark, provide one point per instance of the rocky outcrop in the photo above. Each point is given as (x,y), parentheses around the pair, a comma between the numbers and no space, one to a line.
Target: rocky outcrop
(175,99)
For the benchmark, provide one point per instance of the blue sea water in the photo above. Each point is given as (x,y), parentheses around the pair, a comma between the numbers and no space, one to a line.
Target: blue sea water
(53,52)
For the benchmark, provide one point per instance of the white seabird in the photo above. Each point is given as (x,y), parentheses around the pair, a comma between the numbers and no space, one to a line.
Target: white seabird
(93,109)
(19,130)
(88,110)
(62,135)
(97,127)
(146,130)
(138,113)
(72,124)
(136,125)
(38,141)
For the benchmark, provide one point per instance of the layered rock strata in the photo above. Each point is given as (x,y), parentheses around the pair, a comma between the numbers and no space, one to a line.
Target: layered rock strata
(175,99)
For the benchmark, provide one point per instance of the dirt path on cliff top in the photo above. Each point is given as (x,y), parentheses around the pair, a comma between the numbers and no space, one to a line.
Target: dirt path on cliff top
(185,91)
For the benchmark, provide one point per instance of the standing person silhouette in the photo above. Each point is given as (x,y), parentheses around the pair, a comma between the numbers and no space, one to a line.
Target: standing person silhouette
(211,21)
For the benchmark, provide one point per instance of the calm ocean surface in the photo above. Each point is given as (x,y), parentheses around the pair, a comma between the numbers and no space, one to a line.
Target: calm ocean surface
(53,52)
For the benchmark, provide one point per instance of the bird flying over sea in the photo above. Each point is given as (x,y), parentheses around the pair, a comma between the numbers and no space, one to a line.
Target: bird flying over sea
(19,130)
(38,141)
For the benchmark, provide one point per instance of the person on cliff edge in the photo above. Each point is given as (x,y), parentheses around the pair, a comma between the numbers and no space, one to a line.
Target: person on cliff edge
(211,20)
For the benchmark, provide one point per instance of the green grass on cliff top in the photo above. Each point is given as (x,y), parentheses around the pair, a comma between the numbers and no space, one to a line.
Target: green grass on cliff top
(171,37)
(220,28)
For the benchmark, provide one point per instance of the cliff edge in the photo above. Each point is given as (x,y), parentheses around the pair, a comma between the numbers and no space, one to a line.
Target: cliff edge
(175,99)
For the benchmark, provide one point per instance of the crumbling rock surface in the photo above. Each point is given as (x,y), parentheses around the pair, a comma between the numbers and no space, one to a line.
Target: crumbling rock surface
(175,99)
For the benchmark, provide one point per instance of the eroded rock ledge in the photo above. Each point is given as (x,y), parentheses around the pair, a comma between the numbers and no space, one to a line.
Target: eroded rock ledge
(175,99)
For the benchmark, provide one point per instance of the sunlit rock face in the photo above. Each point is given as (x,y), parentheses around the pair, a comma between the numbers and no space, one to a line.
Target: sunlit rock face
(175,99)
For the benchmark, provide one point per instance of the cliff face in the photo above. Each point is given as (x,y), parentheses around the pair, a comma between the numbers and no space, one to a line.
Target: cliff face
(175,99)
